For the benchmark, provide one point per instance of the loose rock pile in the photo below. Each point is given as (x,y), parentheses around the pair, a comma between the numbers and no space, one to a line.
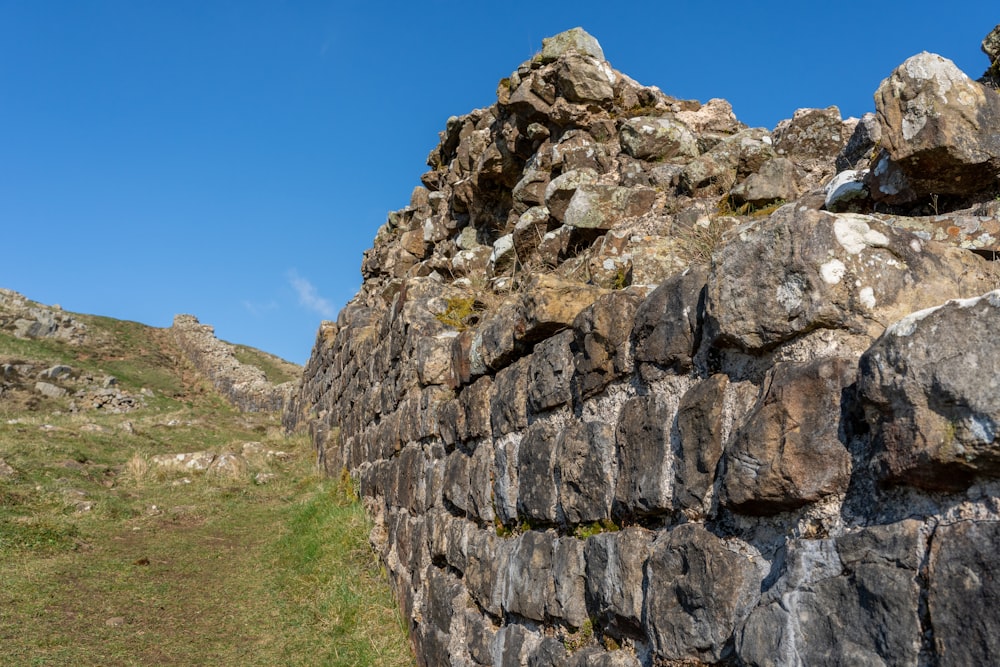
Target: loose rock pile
(629,383)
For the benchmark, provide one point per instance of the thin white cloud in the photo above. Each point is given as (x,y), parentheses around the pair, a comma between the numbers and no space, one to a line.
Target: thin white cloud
(309,297)
(259,309)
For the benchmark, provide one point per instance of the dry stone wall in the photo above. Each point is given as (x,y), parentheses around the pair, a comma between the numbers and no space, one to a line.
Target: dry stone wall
(246,386)
(629,383)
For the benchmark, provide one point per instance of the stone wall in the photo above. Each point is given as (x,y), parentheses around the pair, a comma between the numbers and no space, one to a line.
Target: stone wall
(246,387)
(630,384)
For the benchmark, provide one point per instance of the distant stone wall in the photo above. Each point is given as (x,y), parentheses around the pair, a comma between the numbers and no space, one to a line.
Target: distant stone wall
(787,453)
(245,386)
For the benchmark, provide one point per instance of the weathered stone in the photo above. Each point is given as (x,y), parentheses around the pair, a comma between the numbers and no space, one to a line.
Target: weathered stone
(481,572)
(657,138)
(549,653)
(667,328)
(529,231)
(803,270)
(847,601)
(549,373)
(433,358)
(935,126)
(50,390)
(551,305)
(537,498)
(530,190)
(601,338)
(615,571)
(529,581)
(509,404)
(585,468)
(858,151)
(602,206)
(496,340)
(456,480)
(578,149)
(930,387)
(810,133)
(698,593)
(584,79)
(964,586)
(481,480)
(699,428)
(568,602)
(58,372)
(645,457)
(714,116)
(560,190)
(847,191)
(574,40)
(476,399)
(788,452)
(776,181)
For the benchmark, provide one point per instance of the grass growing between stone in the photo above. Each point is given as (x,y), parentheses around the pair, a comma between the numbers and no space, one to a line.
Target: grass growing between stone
(107,558)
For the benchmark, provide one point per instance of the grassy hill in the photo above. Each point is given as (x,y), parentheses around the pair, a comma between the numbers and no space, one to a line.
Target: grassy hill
(113,551)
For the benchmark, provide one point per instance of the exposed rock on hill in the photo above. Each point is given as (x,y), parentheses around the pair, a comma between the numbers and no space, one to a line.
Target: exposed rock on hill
(629,383)
(26,319)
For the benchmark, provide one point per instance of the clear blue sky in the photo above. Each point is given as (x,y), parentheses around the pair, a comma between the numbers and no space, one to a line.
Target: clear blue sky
(233,158)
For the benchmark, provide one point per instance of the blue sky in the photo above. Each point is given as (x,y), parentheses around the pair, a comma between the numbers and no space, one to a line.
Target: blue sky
(233,159)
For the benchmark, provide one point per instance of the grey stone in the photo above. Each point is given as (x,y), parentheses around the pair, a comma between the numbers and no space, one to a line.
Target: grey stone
(657,138)
(667,329)
(509,404)
(645,457)
(804,270)
(574,40)
(788,453)
(560,190)
(698,593)
(537,498)
(776,181)
(858,151)
(934,121)
(930,390)
(601,337)
(615,571)
(528,580)
(601,207)
(50,390)
(810,133)
(584,79)
(550,372)
(699,429)
(853,601)
(585,466)
(964,589)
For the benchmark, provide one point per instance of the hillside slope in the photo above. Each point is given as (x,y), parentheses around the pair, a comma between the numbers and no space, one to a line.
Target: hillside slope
(145,520)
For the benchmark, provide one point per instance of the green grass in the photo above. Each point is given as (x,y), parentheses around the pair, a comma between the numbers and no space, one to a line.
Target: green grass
(276,370)
(199,569)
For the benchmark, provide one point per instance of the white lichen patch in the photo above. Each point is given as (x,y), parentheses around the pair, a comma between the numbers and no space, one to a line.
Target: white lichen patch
(867,297)
(855,234)
(915,245)
(789,295)
(832,272)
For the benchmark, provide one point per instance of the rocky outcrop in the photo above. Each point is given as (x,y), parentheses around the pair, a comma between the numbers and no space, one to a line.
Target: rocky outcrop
(27,319)
(629,383)
(246,386)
